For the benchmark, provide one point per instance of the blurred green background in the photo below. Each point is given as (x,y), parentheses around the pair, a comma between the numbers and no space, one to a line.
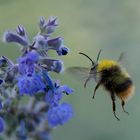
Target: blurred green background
(87,26)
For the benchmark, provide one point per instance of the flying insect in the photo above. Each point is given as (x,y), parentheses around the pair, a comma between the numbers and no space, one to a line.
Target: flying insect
(111,75)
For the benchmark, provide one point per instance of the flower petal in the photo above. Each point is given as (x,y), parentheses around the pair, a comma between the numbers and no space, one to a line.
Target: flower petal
(30,84)
(52,64)
(14,37)
(66,89)
(53,97)
(59,115)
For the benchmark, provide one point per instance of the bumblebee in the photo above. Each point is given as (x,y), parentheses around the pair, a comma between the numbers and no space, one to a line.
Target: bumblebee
(112,76)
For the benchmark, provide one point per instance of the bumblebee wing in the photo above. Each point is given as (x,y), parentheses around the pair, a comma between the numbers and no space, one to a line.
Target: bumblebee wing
(78,72)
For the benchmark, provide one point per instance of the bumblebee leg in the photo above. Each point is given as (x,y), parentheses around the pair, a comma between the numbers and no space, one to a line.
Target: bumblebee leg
(86,81)
(114,105)
(97,86)
(123,103)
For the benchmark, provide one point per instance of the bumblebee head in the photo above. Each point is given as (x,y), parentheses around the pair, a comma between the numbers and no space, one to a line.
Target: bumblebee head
(94,64)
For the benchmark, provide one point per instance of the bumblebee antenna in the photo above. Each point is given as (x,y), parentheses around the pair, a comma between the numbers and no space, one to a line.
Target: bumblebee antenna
(98,55)
(87,57)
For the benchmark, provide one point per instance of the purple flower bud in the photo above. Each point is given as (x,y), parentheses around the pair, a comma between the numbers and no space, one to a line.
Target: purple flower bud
(52,64)
(40,42)
(63,51)
(14,37)
(21,31)
(52,21)
(41,24)
(49,26)
(58,66)
(55,43)
(42,21)
(59,115)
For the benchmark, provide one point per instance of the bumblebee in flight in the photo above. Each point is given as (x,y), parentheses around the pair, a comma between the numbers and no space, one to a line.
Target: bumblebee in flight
(112,76)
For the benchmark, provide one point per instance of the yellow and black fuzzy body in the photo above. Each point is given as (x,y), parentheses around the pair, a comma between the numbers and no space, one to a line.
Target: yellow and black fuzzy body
(113,77)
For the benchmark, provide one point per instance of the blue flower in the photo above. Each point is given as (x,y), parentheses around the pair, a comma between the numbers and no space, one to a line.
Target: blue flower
(60,114)
(54,96)
(26,66)
(30,84)
(1,124)
(30,76)
(66,89)
(27,63)
(33,55)
(63,88)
